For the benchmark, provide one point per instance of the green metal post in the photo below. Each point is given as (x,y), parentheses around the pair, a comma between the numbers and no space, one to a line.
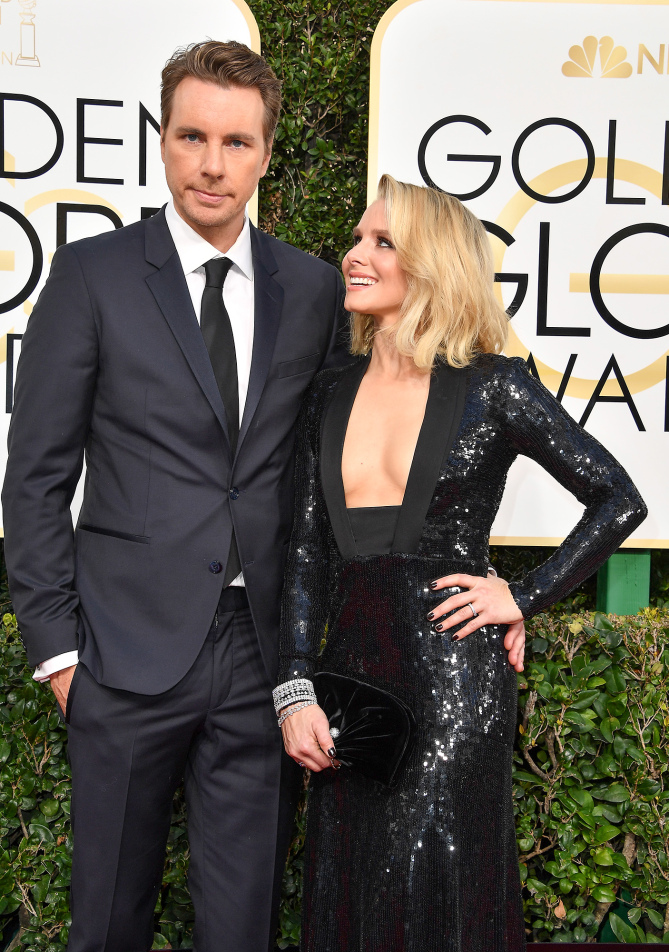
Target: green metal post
(623,587)
(623,583)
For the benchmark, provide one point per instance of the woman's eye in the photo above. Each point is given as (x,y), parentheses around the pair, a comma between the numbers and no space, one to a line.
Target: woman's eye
(385,243)
(356,240)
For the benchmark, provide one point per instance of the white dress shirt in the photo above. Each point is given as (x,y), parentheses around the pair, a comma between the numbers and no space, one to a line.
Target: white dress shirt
(238,297)
(193,253)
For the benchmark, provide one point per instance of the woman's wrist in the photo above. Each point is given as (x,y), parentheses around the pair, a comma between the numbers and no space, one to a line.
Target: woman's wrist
(294,708)
(295,691)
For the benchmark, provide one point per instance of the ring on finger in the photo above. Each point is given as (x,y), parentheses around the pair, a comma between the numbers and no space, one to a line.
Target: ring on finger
(475,614)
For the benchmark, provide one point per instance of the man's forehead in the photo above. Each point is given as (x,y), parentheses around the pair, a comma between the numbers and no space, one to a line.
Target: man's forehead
(196,102)
(202,90)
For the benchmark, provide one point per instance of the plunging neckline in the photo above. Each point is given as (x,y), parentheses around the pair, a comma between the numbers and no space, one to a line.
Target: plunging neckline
(354,395)
(378,469)
(443,410)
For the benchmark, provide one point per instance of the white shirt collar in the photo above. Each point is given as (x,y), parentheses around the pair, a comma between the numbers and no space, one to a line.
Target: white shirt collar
(194,251)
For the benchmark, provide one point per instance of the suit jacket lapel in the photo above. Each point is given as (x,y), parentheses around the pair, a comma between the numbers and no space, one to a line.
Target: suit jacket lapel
(268,295)
(170,290)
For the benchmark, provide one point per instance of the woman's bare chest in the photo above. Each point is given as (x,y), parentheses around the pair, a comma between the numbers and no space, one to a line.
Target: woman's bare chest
(380,441)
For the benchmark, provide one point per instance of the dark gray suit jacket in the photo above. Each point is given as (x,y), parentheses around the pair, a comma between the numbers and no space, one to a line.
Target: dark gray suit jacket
(114,368)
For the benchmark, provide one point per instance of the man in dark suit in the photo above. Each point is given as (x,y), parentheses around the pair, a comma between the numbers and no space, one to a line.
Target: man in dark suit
(156,621)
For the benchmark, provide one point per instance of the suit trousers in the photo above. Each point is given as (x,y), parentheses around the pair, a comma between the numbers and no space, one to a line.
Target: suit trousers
(216,729)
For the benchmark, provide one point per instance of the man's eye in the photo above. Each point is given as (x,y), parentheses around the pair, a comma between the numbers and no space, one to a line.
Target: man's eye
(236,143)
(192,137)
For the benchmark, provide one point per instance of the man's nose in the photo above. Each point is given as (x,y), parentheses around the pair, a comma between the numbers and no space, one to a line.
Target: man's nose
(213,162)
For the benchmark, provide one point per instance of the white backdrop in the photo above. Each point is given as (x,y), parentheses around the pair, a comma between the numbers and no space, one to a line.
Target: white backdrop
(565,101)
(73,71)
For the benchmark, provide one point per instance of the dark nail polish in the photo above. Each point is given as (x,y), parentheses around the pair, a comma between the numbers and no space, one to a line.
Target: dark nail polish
(455,638)
(433,584)
(430,616)
(332,752)
(438,627)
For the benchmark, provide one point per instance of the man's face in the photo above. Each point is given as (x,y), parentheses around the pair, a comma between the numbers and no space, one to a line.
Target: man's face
(214,153)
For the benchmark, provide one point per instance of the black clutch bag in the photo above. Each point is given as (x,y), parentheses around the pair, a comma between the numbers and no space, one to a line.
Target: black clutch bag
(372,730)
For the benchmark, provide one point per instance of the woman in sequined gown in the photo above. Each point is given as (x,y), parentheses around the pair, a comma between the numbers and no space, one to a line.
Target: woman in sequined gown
(430,865)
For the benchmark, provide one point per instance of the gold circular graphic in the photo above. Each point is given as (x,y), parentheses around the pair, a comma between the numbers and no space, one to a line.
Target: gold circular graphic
(510,216)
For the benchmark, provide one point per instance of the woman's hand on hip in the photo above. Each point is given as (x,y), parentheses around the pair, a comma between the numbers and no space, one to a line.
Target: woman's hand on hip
(307,739)
(483,601)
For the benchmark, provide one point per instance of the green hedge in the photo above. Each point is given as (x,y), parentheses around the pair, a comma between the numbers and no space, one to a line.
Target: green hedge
(591,792)
(316,187)
(591,776)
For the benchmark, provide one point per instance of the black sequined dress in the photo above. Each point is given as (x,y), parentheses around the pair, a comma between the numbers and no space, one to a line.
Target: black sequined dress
(431,865)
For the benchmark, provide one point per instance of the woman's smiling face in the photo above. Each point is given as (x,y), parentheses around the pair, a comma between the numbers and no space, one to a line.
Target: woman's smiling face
(375,283)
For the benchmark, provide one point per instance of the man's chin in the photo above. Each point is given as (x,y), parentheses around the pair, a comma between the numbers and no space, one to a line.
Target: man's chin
(202,217)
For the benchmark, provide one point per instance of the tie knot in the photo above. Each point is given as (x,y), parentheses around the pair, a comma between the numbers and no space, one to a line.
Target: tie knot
(216,271)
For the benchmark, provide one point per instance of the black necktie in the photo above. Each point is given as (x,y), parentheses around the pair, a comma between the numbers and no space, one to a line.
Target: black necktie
(217,333)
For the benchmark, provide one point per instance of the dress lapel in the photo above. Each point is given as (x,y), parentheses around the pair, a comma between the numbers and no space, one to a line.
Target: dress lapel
(333,433)
(268,303)
(169,288)
(443,412)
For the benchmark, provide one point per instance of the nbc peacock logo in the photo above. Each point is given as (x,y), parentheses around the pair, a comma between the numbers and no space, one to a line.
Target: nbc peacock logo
(612,60)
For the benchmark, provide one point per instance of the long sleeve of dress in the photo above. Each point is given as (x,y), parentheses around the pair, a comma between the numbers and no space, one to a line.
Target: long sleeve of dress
(305,603)
(541,429)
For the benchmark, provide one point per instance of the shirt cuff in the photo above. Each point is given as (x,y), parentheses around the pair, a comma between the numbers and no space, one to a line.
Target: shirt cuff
(44,670)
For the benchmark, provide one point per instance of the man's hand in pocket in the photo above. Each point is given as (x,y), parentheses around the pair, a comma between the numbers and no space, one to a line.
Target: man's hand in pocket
(60,684)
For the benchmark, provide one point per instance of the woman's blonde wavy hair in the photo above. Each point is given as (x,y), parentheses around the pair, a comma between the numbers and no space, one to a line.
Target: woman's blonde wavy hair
(450,311)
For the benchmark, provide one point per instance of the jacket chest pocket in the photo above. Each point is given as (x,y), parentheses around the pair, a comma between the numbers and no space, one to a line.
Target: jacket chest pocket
(302,365)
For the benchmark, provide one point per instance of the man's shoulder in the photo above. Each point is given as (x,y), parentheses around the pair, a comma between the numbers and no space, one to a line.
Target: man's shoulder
(109,244)
(288,255)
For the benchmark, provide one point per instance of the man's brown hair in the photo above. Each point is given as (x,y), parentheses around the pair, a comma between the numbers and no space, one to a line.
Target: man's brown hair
(226,65)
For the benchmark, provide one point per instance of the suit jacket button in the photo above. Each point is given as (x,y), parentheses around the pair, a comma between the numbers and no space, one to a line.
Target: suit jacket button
(215,567)
(234,493)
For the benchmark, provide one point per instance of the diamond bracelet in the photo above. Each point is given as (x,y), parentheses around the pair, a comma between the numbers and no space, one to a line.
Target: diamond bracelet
(290,692)
(294,710)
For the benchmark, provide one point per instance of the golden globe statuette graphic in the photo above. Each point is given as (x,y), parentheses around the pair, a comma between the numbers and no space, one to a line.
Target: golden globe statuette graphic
(27,56)
(612,59)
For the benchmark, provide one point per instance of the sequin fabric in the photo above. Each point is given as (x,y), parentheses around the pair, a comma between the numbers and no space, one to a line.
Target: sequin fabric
(431,865)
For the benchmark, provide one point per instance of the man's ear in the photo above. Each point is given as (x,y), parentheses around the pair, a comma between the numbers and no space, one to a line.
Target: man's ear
(162,144)
(268,156)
